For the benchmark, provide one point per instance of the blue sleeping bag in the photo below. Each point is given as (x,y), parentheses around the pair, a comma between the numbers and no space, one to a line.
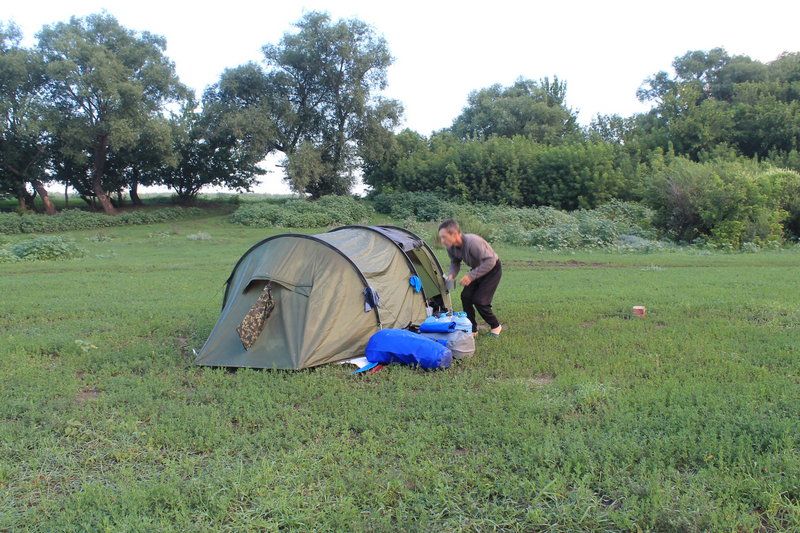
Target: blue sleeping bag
(403,346)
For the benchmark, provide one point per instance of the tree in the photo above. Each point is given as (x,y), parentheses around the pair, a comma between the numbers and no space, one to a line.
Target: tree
(142,162)
(209,149)
(534,109)
(314,100)
(716,101)
(326,75)
(105,82)
(23,142)
(384,152)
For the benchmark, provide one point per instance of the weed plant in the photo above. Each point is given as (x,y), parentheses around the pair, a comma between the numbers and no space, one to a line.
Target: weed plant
(580,417)
(46,248)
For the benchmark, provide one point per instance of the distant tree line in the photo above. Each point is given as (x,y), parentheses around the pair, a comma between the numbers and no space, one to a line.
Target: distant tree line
(99,108)
(521,145)
(717,155)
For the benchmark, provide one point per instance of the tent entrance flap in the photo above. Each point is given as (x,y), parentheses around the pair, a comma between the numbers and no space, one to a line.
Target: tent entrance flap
(253,323)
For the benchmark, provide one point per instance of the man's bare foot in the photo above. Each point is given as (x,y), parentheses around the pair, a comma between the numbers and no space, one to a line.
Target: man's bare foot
(495,332)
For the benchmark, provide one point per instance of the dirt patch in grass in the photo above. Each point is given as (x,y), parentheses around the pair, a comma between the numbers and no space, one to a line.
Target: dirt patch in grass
(86,396)
(182,343)
(572,263)
(536,381)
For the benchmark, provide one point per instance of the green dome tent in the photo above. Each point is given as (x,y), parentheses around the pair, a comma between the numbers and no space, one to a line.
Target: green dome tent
(295,301)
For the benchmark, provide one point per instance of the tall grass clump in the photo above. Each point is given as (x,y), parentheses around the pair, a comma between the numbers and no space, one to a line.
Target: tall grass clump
(327,211)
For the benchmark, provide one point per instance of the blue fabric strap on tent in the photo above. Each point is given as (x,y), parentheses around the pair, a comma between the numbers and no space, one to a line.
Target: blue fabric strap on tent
(416,283)
(371,299)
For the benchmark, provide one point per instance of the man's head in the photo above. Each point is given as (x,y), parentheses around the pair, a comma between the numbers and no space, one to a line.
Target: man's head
(450,233)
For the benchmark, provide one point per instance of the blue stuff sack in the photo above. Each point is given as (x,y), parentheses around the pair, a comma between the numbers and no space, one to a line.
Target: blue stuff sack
(443,324)
(402,346)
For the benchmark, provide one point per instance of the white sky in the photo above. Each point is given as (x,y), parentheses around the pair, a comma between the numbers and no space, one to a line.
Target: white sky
(445,49)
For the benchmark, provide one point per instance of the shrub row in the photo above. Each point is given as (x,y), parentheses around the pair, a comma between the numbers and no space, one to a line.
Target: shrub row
(327,211)
(622,225)
(46,248)
(614,224)
(722,203)
(516,171)
(75,219)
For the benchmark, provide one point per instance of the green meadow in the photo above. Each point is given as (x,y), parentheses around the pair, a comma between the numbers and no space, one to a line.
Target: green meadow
(579,417)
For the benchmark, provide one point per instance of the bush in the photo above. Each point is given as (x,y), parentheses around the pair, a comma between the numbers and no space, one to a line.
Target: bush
(725,203)
(47,248)
(7,257)
(327,211)
(537,217)
(556,237)
(638,217)
(423,206)
(545,226)
(345,209)
(76,219)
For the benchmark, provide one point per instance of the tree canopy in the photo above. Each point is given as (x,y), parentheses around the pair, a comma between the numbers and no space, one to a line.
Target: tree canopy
(715,99)
(536,110)
(314,99)
(105,83)
(23,141)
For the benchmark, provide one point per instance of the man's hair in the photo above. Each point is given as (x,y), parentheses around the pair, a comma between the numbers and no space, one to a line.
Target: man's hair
(450,226)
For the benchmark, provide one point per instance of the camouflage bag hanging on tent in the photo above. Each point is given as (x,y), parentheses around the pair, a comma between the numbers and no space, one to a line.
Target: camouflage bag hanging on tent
(253,324)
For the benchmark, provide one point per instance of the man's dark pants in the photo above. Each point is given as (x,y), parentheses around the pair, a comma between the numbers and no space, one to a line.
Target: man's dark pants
(479,294)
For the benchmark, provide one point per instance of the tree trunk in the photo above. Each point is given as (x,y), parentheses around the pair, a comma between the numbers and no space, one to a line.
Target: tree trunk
(134,192)
(98,166)
(49,206)
(26,202)
(66,195)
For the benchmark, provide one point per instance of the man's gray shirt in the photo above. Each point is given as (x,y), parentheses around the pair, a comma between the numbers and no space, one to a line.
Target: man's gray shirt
(475,252)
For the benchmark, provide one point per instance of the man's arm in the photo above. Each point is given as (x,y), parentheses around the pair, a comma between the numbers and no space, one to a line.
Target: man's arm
(455,265)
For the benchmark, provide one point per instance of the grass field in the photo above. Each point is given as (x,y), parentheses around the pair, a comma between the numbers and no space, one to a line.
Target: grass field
(579,417)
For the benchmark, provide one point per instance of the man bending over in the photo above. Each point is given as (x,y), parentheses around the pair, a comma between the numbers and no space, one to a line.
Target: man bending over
(480,282)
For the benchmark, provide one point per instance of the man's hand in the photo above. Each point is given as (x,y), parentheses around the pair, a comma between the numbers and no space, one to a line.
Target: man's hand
(466,280)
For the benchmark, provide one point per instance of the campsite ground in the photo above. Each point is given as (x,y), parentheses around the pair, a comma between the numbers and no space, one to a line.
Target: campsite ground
(579,417)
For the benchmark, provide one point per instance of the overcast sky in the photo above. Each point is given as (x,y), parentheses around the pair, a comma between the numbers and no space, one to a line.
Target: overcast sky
(443,50)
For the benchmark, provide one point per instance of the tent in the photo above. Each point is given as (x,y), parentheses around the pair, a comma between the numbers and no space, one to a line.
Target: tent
(318,294)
